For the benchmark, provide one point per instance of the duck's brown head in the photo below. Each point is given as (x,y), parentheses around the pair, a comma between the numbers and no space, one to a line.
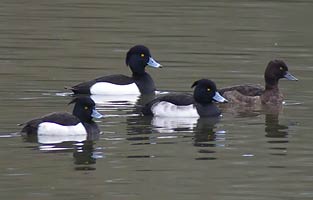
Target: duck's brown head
(275,70)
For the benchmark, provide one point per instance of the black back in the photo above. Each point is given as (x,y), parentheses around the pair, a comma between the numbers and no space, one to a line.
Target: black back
(245,89)
(84,88)
(62,118)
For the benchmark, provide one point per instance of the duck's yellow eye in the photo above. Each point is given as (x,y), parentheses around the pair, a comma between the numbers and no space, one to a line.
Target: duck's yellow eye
(281,68)
(209,89)
(86,108)
(142,55)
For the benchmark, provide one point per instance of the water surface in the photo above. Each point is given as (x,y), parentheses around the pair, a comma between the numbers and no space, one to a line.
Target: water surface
(46,45)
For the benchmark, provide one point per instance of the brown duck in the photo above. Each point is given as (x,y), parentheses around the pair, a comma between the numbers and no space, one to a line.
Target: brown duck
(250,94)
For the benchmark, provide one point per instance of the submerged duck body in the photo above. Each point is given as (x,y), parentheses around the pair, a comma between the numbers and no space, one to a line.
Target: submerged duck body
(185,105)
(250,94)
(63,123)
(137,58)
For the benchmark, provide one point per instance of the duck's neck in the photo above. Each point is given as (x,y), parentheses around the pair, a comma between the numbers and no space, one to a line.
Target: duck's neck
(144,82)
(207,110)
(91,128)
(272,95)
(271,84)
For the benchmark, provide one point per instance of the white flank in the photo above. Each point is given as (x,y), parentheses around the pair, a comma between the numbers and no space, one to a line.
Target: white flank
(53,129)
(166,109)
(112,89)
(55,139)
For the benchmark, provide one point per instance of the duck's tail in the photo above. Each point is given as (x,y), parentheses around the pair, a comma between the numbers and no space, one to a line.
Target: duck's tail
(68,88)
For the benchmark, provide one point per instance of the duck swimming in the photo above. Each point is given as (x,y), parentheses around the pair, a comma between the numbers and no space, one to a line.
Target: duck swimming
(250,94)
(63,123)
(200,104)
(137,58)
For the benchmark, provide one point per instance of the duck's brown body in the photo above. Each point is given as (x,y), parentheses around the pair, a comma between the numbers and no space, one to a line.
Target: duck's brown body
(250,94)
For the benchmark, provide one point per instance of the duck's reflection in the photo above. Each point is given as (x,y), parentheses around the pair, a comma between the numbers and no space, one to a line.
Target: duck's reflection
(170,125)
(81,146)
(243,111)
(206,137)
(204,132)
(276,133)
(139,130)
(273,129)
(84,155)
(138,100)
(56,139)
(121,105)
(115,99)
(164,130)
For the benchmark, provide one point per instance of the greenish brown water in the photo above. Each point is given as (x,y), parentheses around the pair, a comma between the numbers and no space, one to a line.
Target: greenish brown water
(46,45)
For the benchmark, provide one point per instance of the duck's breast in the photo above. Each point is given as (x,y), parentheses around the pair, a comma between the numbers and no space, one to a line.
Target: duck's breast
(274,97)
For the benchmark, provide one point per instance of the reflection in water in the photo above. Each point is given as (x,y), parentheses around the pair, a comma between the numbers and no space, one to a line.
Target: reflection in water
(169,124)
(143,99)
(139,130)
(277,133)
(205,137)
(81,146)
(154,130)
(272,127)
(115,99)
(84,155)
(204,132)
(126,105)
(240,110)
(54,139)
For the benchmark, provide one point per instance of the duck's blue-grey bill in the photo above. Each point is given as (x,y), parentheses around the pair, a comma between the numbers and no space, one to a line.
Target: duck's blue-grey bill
(96,114)
(219,98)
(290,77)
(153,63)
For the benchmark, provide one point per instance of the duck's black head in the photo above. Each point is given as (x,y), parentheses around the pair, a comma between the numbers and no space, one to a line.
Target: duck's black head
(275,70)
(138,57)
(205,91)
(85,109)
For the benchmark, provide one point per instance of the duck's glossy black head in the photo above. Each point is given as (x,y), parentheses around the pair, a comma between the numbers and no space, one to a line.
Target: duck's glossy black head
(205,91)
(275,70)
(138,57)
(85,109)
